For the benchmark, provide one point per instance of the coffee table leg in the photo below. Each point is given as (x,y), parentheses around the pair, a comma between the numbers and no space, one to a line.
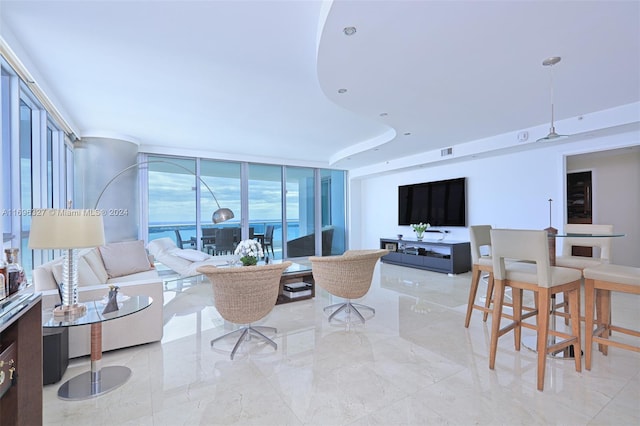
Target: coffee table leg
(99,380)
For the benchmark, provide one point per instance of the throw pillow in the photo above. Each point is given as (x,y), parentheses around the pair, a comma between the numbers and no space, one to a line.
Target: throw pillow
(86,276)
(125,258)
(190,254)
(92,256)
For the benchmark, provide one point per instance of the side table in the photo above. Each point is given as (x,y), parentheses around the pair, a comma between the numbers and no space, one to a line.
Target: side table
(98,380)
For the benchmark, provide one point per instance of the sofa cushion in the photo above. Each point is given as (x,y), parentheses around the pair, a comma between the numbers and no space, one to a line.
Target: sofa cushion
(146,275)
(161,245)
(125,258)
(86,276)
(94,260)
(190,254)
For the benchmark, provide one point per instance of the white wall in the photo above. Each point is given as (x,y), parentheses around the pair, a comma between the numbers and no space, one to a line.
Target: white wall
(510,190)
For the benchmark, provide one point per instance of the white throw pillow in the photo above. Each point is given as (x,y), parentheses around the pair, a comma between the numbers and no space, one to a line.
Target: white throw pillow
(86,275)
(125,258)
(190,254)
(94,260)
(160,245)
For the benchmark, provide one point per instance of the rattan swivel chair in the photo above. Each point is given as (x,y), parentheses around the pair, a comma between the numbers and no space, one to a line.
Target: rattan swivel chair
(244,295)
(348,276)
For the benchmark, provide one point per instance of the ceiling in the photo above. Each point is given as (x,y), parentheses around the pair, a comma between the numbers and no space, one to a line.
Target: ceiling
(260,80)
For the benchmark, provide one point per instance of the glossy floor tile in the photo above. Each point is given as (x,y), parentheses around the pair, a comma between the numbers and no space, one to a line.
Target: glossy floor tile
(413,363)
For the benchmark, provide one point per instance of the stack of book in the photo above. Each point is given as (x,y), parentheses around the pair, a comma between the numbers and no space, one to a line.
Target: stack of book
(294,290)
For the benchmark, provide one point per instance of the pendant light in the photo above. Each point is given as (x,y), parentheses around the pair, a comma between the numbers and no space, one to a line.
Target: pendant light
(552,136)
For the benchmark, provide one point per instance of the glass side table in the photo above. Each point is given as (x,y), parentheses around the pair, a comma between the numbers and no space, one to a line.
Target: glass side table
(99,380)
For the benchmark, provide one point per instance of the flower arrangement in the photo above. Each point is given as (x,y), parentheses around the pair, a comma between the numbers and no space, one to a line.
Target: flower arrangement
(419,229)
(249,252)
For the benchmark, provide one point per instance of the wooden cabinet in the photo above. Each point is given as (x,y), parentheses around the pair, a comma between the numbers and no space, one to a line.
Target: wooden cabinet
(452,257)
(21,325)
(579,197)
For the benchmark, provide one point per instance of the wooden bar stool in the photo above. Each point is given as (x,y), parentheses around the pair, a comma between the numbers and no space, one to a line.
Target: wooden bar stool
(599,282)
(541,278)
(480,236)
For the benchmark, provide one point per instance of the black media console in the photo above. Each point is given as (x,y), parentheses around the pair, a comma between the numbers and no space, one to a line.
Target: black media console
(452,257)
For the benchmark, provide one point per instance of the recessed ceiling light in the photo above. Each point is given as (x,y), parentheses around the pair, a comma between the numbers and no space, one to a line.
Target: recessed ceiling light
(342,90)
(349,31)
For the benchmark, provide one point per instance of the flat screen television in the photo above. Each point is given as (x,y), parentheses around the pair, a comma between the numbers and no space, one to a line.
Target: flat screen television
(441,203)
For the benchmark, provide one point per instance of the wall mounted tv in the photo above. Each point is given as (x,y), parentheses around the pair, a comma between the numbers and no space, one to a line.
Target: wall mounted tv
(441,203)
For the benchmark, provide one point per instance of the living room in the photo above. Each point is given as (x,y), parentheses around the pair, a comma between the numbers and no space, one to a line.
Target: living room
(512,181)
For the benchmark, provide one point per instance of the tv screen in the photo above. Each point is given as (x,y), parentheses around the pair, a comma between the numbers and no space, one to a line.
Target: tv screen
(441,203)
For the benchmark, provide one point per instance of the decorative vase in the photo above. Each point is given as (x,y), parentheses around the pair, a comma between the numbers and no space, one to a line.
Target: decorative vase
(419,235)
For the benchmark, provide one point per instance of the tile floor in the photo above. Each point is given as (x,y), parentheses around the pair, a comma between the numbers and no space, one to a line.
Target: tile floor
(413,363)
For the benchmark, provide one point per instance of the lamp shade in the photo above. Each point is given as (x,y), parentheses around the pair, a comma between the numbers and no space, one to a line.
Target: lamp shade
(221,215)
(66,229)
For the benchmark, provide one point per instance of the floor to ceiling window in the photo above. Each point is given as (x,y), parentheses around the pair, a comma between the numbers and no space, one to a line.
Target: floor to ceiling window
(223,178)
(300,212)
(7,182)
(333,210)
(265,206)
(26,184)
(49,165)
(171,197)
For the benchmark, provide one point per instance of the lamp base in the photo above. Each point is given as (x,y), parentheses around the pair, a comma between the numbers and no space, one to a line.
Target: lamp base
(69,311)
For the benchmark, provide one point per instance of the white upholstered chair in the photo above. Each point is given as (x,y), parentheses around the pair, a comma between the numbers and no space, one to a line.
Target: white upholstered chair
(347,276)
(601,252)
(480,236)
(599,282)
(601,246)
(482,262)
(244,295)
(539,277)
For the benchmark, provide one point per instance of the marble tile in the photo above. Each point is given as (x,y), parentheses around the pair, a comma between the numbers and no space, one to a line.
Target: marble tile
(412,363)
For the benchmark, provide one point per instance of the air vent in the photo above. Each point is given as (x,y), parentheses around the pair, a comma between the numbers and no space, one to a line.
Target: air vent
(445,152)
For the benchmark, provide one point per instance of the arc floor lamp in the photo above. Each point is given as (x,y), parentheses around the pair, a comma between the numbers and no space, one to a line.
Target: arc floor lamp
(222,214)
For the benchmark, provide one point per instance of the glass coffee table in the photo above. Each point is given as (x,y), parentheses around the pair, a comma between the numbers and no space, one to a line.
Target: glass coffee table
(297,278)
(99,380)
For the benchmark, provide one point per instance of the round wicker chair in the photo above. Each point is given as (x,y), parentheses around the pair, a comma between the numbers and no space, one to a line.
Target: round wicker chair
(244,295)
(348,276)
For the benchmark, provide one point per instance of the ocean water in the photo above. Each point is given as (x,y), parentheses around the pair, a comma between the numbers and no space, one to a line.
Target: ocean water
(187,231)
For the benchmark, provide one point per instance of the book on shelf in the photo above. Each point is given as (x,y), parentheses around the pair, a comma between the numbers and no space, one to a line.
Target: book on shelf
(295,294)
(293,287)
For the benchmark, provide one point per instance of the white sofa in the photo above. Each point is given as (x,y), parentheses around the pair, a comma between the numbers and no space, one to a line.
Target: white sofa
(184,262)
(125,264)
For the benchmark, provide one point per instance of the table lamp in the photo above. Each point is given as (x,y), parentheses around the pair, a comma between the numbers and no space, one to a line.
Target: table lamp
(68,230)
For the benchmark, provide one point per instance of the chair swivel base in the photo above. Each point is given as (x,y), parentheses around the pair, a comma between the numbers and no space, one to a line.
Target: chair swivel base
(245,334)
(348,307)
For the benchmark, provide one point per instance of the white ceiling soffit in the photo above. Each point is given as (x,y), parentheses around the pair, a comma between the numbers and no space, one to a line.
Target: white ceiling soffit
(251,79)
(447,73)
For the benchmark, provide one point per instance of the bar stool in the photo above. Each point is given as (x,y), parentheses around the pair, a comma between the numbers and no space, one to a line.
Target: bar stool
(480,236)
(599,282)
(543,279)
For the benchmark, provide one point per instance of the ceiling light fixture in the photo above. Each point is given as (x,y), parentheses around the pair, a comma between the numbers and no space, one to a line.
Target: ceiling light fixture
(349,31)
(552,136)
